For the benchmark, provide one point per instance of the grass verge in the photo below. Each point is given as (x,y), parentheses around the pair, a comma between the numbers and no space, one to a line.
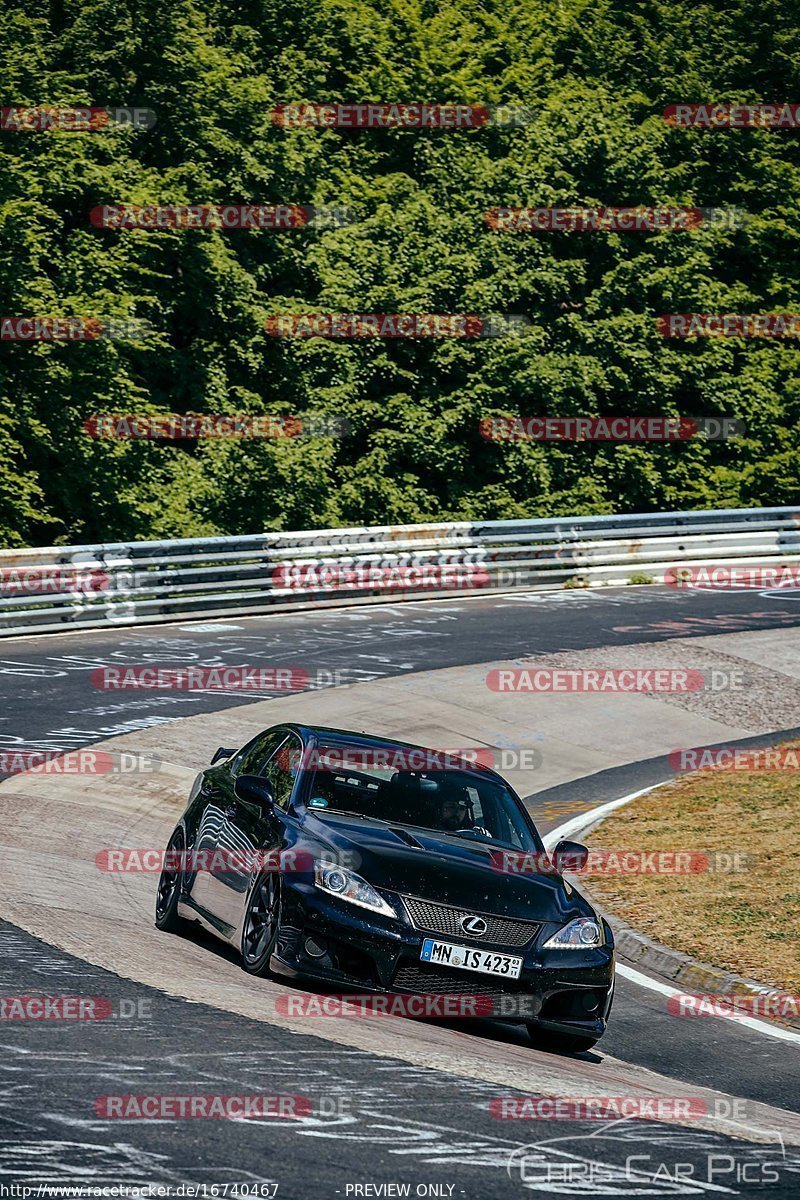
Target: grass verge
(745,921)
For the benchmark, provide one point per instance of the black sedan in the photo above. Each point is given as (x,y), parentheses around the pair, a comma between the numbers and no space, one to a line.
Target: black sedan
(376,866)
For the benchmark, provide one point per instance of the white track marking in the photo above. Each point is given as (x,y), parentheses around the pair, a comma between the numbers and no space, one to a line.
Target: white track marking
(665,989)
(575,824)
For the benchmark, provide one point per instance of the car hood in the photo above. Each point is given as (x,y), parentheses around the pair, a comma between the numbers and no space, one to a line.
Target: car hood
(443,869)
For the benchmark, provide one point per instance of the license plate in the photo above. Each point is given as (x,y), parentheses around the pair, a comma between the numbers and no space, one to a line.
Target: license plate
(467,958)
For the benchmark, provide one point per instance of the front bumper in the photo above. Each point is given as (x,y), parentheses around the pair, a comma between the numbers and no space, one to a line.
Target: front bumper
(351,948)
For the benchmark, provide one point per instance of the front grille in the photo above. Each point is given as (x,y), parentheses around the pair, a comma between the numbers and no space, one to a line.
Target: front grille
(451,983)
(441,918)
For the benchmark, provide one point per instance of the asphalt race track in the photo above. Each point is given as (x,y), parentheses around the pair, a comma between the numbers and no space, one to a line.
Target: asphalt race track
(377,1118)
(54,704)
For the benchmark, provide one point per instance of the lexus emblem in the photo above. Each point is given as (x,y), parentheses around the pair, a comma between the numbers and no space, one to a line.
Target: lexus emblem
(476,926)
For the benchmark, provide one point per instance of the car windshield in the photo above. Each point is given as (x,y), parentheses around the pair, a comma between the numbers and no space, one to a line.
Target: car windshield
(460,803)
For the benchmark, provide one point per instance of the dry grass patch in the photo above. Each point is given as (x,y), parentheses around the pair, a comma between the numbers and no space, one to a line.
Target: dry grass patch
(747,921)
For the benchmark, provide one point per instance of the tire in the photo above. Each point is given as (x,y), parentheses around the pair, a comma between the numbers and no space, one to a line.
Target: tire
(567,1043)
(169,888)
(262,923)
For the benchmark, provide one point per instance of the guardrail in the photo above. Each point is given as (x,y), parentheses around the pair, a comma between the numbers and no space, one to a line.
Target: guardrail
(56,588)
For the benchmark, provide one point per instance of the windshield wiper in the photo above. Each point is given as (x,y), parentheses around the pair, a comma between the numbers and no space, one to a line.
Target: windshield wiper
(472,835)
(407,837)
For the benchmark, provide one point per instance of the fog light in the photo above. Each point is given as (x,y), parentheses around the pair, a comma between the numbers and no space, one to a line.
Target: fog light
(313,949)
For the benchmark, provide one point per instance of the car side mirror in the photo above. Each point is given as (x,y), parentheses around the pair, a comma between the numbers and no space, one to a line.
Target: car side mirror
(570,856)
(255,790)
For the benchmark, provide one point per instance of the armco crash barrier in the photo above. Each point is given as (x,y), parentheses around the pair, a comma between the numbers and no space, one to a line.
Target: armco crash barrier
(62,587)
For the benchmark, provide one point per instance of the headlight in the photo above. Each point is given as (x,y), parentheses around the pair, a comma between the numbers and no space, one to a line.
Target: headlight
(349,886)
(581,934)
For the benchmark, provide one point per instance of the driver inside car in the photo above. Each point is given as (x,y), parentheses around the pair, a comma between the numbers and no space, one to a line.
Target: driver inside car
(456,813)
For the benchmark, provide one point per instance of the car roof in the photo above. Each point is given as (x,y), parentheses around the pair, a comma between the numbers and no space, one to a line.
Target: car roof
(349,737)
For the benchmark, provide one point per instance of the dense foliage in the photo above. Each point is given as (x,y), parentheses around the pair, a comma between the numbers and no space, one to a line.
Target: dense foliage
(598,75)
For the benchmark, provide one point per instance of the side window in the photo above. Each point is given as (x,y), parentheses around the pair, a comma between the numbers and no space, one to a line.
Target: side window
(282,769)
(252,758)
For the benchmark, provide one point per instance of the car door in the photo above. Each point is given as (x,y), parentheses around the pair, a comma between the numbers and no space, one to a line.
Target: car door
(216,837)
(214,799)
(249,828)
